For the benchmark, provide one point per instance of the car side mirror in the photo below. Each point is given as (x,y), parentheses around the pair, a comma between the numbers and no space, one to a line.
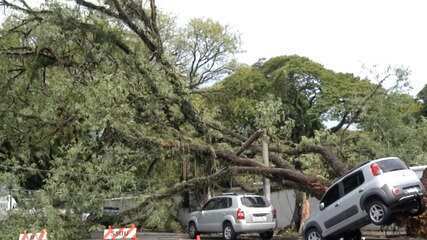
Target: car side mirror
(321,206)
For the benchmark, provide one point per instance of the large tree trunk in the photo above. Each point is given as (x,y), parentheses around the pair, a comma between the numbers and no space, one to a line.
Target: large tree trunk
(305,212)
(297,215)
(417,226)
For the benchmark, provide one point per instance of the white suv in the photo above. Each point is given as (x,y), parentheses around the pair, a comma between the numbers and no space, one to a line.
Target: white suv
(232,214)
(373,192)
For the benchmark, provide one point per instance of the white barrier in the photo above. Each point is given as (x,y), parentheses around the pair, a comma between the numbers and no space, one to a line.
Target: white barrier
(120,233)
(34,236)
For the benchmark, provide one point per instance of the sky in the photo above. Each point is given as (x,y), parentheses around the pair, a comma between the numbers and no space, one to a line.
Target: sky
(341,35)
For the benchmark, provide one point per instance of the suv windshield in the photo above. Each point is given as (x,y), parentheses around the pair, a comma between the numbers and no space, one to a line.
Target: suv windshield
(392,165)
(254,201)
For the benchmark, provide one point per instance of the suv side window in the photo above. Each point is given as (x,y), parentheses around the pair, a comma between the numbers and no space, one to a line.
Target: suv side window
(229,202)
(211,204)
(222,203)
(353,181)
(331,196)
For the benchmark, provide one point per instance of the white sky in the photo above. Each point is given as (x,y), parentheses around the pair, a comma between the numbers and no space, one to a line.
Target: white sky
(341,35)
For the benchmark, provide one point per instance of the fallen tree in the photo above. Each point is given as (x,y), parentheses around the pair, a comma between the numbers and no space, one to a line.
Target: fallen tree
(237,164)
(119,42)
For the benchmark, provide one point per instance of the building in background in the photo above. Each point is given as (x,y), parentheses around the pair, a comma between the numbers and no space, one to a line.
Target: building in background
(7,203)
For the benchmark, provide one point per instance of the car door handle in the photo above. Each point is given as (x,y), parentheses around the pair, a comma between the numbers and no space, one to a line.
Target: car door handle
(337,204)
(361,190)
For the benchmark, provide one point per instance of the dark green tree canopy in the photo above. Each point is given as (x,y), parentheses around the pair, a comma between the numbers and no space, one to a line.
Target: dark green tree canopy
(308,94)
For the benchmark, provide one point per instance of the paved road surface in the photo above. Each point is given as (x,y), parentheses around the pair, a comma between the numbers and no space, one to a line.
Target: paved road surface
(183,236)
(150,236)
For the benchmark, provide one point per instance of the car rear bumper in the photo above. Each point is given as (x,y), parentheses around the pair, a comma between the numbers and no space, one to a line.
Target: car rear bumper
(406,201)
(254,227)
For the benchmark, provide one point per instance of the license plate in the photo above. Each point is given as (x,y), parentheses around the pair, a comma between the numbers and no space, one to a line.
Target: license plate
(412,190)
(259,219)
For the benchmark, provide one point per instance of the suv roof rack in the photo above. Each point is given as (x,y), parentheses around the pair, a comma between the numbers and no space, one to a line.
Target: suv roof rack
(235,194)
(229,193)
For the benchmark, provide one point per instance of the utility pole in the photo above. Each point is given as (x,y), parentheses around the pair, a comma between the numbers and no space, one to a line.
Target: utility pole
(266,181)
(9,201)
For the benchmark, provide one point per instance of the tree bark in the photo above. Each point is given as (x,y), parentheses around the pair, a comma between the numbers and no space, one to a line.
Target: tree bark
(297,214)
(305,212)
(249,142)
(417,226)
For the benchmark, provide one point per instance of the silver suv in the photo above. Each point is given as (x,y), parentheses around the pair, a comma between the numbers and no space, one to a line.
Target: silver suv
(232,214)
(374,192)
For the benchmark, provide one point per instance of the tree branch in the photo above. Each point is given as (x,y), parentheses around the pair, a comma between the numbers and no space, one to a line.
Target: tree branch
(337,166)
(331,160)
(337,127)
(312,185)
(249,142)
(101,9)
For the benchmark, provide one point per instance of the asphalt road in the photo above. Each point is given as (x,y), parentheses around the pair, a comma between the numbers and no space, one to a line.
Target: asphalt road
(183,236)
(150,236)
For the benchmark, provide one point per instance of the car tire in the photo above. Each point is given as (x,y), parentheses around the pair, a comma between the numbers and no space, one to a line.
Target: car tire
(353,235)
(192,230)
(266,235)
(312,234)
(418,209)
(378,213)
(228,232)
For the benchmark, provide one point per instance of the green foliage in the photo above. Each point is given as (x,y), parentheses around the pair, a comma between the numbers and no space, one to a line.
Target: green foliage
(422,95)
(302,96)
(37,213)
(203,50)
(66,85)
(82,98)
(392,121)
(308,94)
(161,216)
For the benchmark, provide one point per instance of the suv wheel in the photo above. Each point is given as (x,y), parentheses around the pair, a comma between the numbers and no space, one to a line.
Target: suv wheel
(266,235)
(378,212)
(192,230)
(418,208)
(228,232)
(312,234)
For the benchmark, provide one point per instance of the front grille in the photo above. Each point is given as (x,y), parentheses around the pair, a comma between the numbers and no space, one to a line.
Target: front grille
(413,186)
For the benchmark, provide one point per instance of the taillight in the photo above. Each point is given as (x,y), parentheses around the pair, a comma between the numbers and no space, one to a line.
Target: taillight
(395,191)
(376,169)
(274,212)
(240,214)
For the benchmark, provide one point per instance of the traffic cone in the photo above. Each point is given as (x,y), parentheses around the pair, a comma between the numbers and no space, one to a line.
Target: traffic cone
(198,237)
